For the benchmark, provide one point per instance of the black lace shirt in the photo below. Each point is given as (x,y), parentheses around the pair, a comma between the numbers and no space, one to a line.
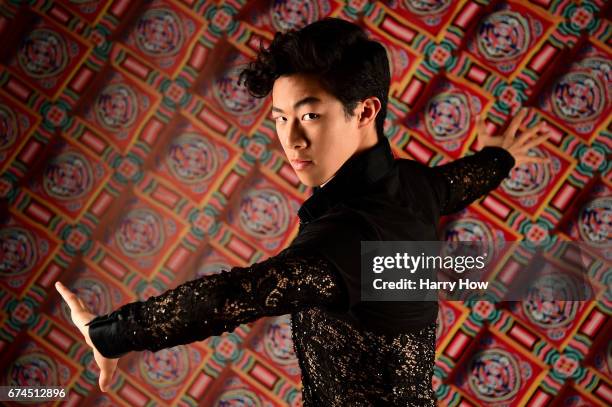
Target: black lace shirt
(351,353)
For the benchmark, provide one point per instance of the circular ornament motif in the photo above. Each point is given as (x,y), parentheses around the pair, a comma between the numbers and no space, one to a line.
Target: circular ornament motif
(494,375)
(234,98)
(578,97)
(43,53)
(192,158)
(293,14)
(165,368)
(264,213)
(503,36)
(68,176)
(116,107)
(141,233)
(447,116)
(35,369)
(545,305)
(18,251)
(159,33)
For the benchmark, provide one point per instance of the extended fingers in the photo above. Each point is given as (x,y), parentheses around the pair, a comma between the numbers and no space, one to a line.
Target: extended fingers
(530,133)
(516,123)
(532,159)
(536,141)
(107,371)
(104,380)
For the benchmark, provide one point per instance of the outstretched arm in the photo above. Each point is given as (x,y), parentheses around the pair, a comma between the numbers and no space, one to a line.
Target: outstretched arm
(211,305)
(462,181)
(459,183)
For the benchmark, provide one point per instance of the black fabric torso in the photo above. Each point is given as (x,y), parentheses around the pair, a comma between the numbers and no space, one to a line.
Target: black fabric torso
(371,353)
(372,197)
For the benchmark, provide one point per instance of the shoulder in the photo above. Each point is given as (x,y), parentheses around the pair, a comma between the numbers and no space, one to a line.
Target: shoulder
(416,175)
(420,182)
(413,169)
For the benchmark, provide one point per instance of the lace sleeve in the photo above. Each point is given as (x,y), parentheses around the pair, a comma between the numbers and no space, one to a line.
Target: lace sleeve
(462,181)
(211,305)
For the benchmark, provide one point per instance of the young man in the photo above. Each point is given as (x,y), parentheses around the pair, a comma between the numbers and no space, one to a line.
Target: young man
(329,86)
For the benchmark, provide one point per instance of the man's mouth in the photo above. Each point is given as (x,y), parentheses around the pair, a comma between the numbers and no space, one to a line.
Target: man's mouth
(300,164)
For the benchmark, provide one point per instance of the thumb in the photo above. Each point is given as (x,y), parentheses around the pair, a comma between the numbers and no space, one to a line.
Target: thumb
(104,380)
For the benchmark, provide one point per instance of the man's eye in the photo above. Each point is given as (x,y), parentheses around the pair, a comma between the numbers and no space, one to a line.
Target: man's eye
(310,116)
(281,119)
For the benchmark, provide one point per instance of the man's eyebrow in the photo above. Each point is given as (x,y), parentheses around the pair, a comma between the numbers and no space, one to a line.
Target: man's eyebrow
(301,102)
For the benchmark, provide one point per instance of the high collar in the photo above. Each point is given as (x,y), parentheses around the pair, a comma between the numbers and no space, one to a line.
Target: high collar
(356,173)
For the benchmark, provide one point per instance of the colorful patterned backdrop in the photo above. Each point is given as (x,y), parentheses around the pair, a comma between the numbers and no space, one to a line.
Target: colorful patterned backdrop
(131,161)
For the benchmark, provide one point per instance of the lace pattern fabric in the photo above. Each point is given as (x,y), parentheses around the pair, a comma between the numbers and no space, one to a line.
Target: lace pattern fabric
(218,303)
(347,366)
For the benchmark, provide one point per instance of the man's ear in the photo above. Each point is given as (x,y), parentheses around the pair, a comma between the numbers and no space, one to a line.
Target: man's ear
(368,109)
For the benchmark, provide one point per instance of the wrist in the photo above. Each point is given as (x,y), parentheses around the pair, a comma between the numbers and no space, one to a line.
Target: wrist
(105,335)
(502,155)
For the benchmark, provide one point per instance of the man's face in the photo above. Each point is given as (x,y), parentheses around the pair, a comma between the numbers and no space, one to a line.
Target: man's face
(311,126)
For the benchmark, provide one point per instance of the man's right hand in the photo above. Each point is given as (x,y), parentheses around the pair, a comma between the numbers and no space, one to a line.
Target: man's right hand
(80,316)
(517,146)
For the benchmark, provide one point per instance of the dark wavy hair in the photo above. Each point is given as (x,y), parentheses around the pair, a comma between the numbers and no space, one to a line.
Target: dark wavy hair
(339,53)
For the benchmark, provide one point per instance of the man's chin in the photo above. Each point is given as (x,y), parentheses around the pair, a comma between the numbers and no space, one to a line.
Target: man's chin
(310,182)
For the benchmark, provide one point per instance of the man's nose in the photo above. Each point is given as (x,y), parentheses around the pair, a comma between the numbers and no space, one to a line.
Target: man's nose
(296,137)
